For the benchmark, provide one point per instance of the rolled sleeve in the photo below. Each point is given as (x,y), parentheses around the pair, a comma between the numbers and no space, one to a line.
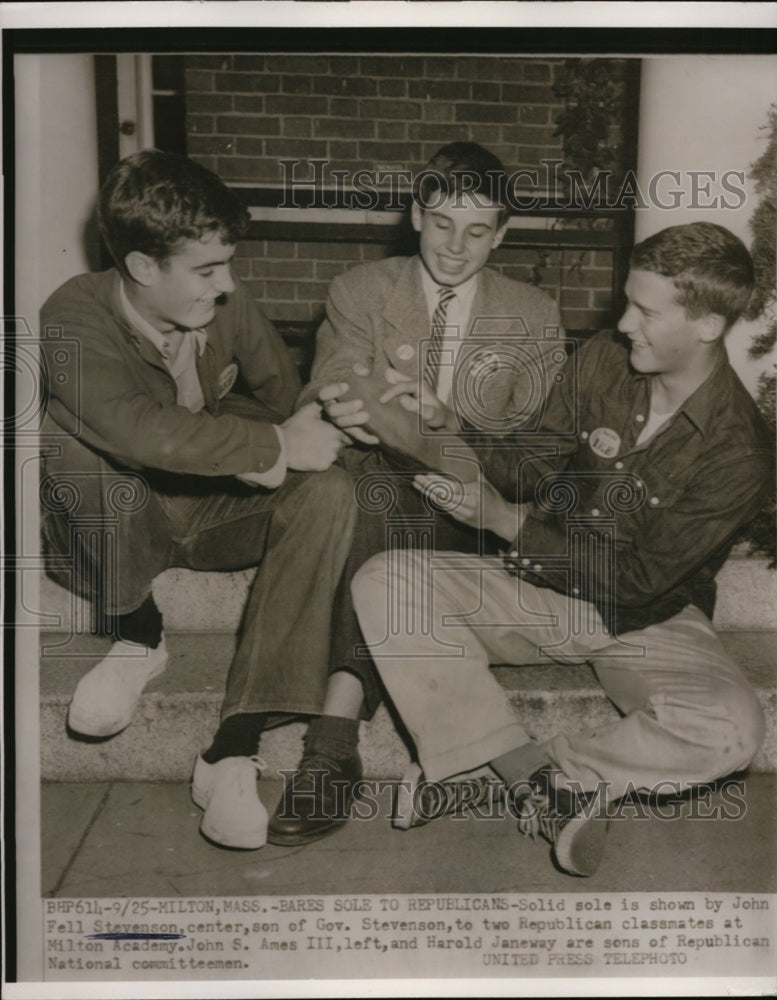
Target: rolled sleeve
(273,477)
(638,567)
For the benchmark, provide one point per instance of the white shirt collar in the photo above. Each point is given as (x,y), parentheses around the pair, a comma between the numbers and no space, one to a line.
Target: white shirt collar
(465,292)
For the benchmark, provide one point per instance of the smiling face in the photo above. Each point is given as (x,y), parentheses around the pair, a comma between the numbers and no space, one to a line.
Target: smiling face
(457,236)
(181,291)
(664,341)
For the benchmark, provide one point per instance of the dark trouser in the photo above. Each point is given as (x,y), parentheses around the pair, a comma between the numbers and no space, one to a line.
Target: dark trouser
(391,514)
(109,532)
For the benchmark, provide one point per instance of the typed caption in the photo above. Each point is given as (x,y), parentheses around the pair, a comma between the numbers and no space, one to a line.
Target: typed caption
(335,937)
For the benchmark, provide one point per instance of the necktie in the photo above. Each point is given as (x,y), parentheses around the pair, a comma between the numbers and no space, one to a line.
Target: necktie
(438,332)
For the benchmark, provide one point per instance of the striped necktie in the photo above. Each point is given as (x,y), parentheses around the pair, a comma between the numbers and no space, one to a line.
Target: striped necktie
(434,355)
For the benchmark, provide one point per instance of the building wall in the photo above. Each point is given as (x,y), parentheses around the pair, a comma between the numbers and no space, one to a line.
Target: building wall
(358,111)
(56,236)
(708,114)
(246,113)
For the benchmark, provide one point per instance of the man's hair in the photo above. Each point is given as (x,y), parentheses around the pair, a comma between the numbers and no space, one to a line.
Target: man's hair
(711,268)
(459,168)
(154,201)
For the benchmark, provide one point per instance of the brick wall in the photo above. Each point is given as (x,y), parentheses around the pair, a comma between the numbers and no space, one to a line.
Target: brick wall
(245,113)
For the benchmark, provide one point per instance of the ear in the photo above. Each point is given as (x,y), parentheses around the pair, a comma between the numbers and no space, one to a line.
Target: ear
(711,327)
(416,215)
(141,268)
(499,236)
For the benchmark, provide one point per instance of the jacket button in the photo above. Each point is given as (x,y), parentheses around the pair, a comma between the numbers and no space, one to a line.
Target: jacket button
(639,418)
(537,567)
(619,465)
(655,501)
(525,562)
(513,554)
(595,512)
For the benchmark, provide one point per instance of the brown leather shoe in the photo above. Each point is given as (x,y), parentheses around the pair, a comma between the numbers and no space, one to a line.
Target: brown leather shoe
(316,800)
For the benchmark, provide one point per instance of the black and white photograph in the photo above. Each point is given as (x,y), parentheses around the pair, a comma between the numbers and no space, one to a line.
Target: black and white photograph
(390,553)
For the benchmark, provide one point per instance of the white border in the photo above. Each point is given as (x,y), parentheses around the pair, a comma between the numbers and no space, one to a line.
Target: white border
(387,13)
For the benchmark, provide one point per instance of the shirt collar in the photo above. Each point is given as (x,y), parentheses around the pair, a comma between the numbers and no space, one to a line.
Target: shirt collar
(145,329)
(701,405)
(465,292)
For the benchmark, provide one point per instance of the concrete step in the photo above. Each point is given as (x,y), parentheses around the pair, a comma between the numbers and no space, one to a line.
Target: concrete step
(179,711)
(747,599)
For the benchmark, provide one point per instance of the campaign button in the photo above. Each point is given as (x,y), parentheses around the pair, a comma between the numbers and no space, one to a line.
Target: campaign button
(227,379)
(605,442)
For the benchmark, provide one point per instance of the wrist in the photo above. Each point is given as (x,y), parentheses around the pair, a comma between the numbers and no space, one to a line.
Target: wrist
(509,521)
(450,424)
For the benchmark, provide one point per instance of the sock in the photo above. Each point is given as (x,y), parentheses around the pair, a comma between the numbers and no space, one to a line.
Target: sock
(520,763)
(237,736)
(331,734)
(143,625)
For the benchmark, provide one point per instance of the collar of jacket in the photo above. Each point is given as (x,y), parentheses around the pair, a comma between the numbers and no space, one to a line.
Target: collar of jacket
(110,295)
(401,310)
(112,301)
(700,407)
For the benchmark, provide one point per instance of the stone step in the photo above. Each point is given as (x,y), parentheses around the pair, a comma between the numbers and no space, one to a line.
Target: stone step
(179,711)
(747,599)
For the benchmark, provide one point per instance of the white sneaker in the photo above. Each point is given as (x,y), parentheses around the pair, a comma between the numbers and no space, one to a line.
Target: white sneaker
(105,699)
(234,815)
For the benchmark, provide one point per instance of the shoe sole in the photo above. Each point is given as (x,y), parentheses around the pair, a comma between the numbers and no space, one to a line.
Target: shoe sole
(243,840)
(580,845)
(87,726)
(405,817)
(298,839)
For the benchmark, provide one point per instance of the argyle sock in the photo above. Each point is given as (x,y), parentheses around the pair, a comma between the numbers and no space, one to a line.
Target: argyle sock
(237,736)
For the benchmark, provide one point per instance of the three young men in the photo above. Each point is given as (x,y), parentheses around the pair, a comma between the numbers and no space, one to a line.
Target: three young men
(650,456)
(181,396)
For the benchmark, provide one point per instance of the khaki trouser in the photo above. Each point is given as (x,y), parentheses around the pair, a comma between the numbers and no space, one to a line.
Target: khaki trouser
(434,624)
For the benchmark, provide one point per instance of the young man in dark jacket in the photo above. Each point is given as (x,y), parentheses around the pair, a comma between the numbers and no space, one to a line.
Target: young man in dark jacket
(650,457)
(171,440)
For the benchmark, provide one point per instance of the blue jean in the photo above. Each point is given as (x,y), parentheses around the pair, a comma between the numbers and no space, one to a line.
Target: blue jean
(109,531)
